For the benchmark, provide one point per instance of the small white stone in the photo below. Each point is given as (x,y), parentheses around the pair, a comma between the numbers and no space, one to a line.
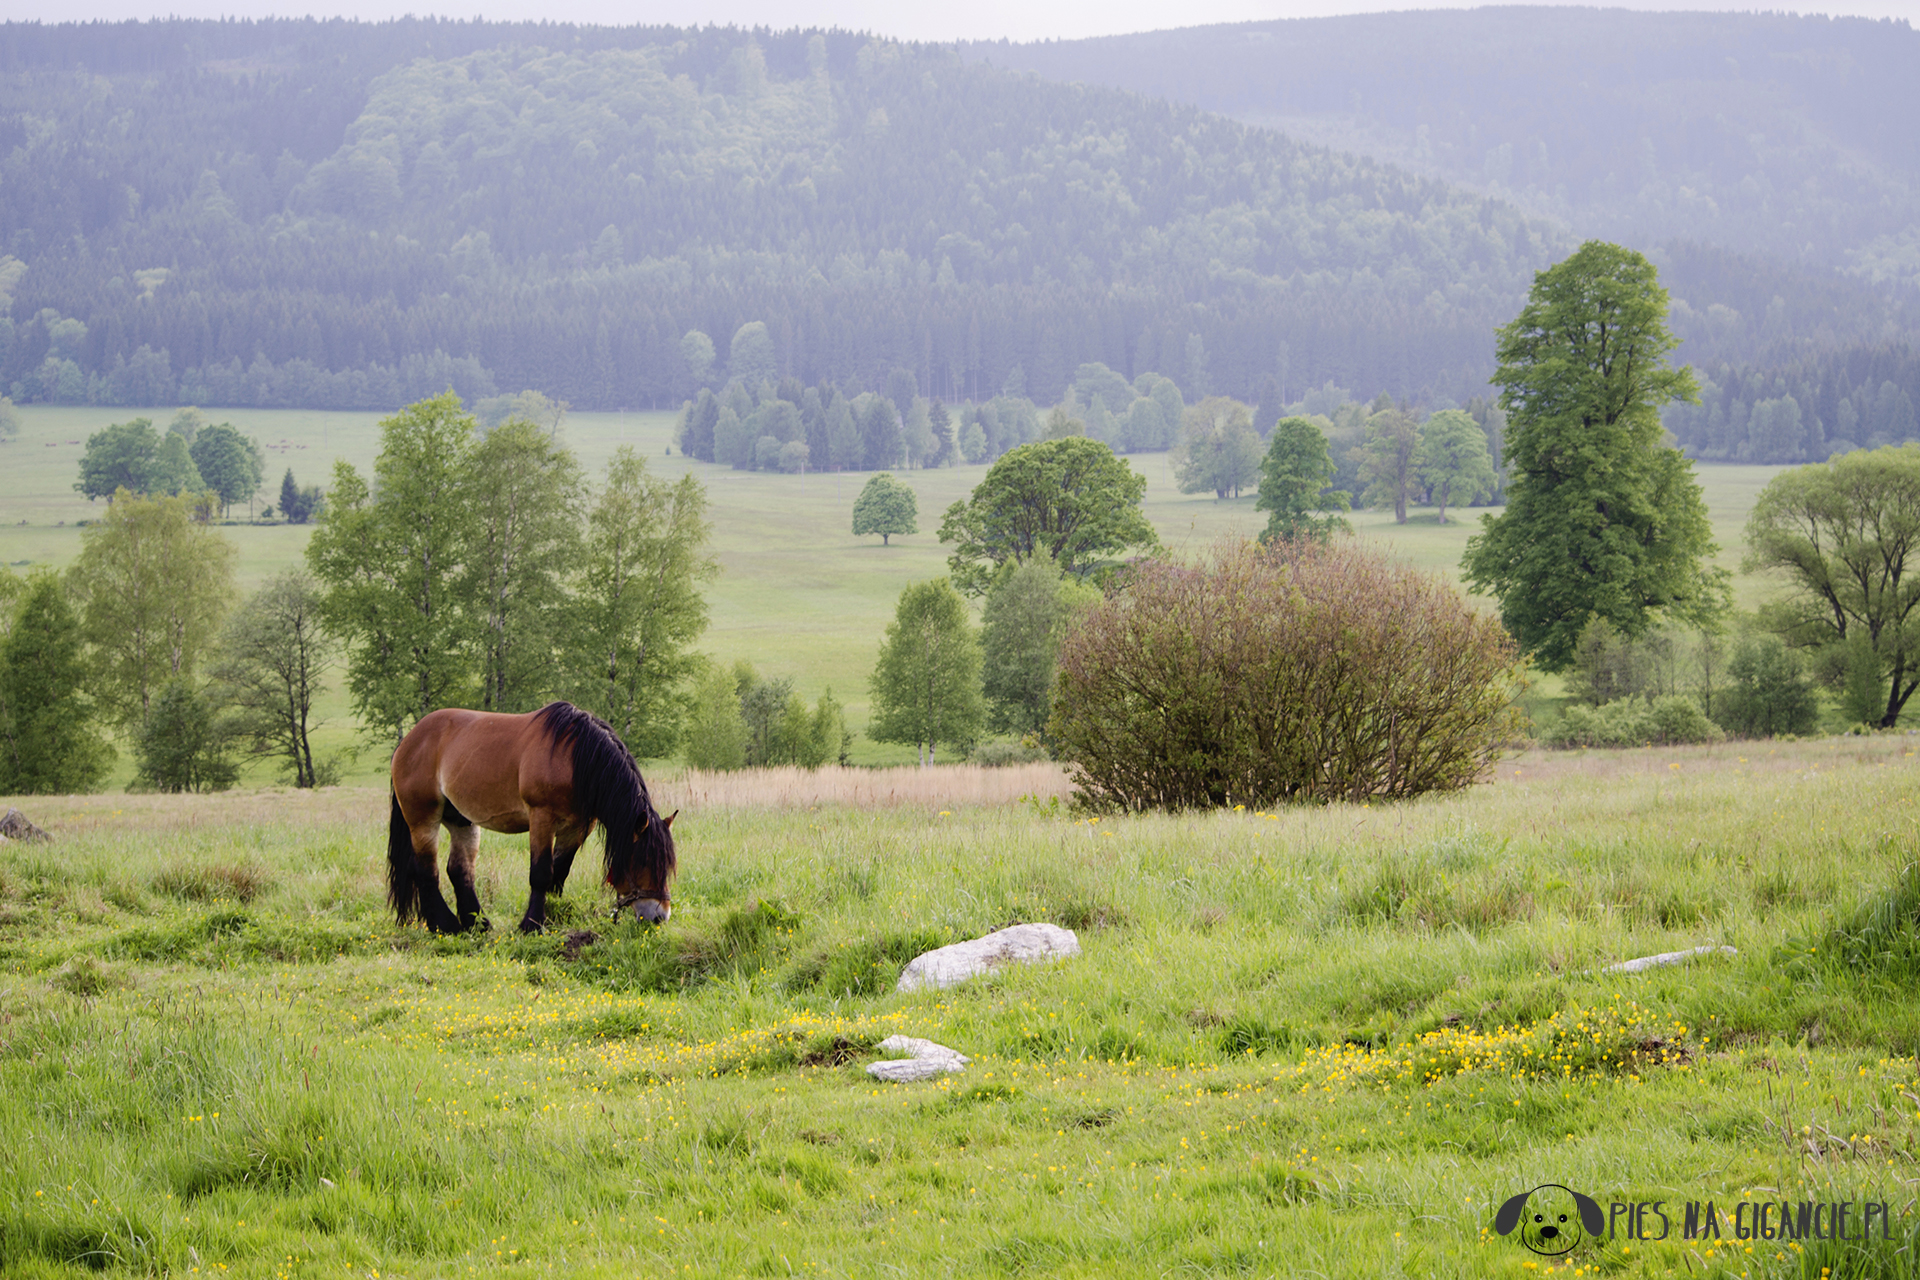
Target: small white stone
(1016,944)
(915,1047)
(903,1070)
(1668,957)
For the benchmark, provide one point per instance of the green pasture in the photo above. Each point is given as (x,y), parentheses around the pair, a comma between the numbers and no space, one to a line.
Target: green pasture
(1323,1042)
(798,594)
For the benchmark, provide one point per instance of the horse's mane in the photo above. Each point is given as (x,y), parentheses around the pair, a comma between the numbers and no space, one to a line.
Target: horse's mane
(608,788)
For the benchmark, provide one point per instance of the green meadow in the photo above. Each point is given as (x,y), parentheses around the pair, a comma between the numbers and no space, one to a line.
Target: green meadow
(798,595)
(1324,1042)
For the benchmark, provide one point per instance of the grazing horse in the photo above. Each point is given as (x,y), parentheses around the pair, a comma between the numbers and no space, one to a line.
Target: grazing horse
(552,773)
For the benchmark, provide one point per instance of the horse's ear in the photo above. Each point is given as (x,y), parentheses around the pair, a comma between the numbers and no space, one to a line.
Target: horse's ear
(670,818)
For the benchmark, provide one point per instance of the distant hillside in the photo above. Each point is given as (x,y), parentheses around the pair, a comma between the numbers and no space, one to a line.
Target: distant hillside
(344,213)
(1770,132)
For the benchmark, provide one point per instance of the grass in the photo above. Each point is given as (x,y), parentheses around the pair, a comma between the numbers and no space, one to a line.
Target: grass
(1326,1041)
(798,594)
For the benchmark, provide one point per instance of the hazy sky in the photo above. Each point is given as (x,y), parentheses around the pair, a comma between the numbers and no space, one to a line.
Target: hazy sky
(913,19)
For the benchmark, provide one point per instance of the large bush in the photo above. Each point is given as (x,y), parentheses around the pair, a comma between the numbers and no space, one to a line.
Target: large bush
(1297,672)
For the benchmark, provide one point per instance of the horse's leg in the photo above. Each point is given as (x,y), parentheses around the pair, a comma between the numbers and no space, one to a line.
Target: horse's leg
(539,871)
(426,878)
(562,864)
(466,843)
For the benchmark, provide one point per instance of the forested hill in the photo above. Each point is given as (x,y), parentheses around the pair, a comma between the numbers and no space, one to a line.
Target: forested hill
(1758,132)
(351,214)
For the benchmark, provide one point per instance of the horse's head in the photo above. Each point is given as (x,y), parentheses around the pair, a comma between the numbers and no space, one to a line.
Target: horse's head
(639,878)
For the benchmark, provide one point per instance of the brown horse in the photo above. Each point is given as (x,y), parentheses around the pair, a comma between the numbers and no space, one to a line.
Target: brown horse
(552,773)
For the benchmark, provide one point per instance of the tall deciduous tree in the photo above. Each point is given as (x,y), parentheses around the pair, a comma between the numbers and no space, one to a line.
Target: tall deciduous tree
(1386,461)
(1296,475)
(1843,537)
(1218,448)
(926,685)
(525,491)
(153,585)
(391,563)
(48,743)
(274,657)
(639,604)
(118,457)
(886,507)
(1601,518)
(229,463)
(1452,459)
(1027,614)
(1071,498)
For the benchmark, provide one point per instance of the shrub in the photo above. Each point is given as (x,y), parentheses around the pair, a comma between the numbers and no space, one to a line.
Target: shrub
(1635,722)
(1768,693)
(182,746)
(1296,672)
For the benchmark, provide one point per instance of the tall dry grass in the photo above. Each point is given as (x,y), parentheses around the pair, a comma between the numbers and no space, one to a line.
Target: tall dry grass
(790,787)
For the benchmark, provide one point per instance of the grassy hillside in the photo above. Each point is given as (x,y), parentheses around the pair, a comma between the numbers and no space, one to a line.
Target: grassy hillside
(1328,1042)
(798,594)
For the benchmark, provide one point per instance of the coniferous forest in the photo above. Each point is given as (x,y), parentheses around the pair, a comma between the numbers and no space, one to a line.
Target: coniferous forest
(354,215)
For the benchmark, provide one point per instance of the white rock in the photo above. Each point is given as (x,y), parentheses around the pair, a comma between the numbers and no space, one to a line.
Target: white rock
(1016,944)
(925,1059)
(1668,957)
(903,1070)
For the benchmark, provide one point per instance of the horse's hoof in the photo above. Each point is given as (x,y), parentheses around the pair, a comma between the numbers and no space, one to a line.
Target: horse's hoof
(485,925)
(531,926)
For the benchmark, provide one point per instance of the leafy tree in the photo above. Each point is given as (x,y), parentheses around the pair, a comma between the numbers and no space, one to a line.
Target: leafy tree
(187,423)
(1767,692)
(1452,460)
(182,746)
(152,584)
(9,419)
(1296,475)
(843,435)
(525,491)
(1387,461)
(390,562)
(530,406)
(696,348)
(940,426)
(926,684)
(172,471)
(231,464)
(1218,448)
(1838,536)
(716,732)
(48,743)
(751,358)
(886,507)
(1072,499)
(1601,518)
(118,457)
(1028,613)
(273,662)
(639,603)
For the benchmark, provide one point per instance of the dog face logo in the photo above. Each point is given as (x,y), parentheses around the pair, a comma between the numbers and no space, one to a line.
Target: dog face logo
(1553,1219)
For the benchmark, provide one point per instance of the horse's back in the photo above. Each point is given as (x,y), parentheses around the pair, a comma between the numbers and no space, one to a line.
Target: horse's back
(492,766)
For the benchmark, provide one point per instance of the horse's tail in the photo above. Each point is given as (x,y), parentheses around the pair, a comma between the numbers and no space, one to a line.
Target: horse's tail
(403,891)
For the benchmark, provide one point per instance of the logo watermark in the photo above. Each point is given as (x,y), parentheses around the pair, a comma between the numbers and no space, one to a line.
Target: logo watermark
(1552,1220)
